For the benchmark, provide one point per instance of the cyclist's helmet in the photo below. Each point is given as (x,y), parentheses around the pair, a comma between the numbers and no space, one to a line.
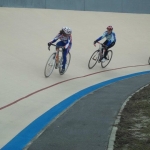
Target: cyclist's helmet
(110,28)
(67,30)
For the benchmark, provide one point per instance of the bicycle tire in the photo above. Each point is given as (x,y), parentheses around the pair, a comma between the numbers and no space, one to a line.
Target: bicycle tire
(66,65)
(149,61)
(109,57)
(95,54)
(49,67)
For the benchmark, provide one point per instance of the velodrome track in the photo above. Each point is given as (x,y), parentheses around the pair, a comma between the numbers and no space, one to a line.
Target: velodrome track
(25,93)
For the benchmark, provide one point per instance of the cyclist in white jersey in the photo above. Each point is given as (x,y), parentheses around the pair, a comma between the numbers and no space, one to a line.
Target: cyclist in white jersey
(110,40)
(65,41)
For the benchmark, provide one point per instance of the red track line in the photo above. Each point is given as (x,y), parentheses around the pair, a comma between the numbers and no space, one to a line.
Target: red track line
(66,81)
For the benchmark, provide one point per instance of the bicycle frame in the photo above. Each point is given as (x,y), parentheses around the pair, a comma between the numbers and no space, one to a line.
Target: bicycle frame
(57,52)
(55,61)
(55,46)
(101,49)
(98,55)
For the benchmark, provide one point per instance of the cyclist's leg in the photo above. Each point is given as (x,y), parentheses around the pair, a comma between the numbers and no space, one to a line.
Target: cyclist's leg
(111,45)
(106,51)
(64,58)
(105,43)
(65,52)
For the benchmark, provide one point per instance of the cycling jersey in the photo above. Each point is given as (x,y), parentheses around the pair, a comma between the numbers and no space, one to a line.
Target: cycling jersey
(109,37)
(67,40)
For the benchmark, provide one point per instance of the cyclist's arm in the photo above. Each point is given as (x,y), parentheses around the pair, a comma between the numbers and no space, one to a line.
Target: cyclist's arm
(68,42)
(101,37)
(66,46)
(55,39)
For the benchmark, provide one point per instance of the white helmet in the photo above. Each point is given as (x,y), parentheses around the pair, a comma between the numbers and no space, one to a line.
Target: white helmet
(67,30)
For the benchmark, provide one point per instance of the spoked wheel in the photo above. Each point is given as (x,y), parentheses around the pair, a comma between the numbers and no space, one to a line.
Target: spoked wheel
(50,65)
(107,61)
(93,60)
(67,63)
(149,61)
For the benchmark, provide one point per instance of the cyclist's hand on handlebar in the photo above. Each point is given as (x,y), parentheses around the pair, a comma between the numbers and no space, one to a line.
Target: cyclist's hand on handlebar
(94,43)
(49,44)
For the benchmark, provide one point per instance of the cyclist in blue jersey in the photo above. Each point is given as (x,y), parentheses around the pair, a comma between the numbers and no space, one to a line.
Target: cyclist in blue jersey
(66,42)
(110,41)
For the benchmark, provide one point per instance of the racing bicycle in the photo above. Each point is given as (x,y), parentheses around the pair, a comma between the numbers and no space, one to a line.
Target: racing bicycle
(97,56)
(52,63)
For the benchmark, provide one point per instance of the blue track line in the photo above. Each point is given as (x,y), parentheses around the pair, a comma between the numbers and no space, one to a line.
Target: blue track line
(27,134)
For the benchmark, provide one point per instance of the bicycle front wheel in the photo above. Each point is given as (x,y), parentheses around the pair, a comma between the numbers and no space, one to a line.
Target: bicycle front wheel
(93,60)
(49,67)
(68,59)
(107,61)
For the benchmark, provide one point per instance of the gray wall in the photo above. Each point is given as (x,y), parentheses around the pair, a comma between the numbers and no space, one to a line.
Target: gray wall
(23,3)
(125,6)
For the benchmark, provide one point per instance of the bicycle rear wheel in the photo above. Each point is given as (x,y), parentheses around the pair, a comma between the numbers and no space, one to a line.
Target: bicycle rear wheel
(93,60)
(49,67)
(107,61)
(66,65)
(149,61)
